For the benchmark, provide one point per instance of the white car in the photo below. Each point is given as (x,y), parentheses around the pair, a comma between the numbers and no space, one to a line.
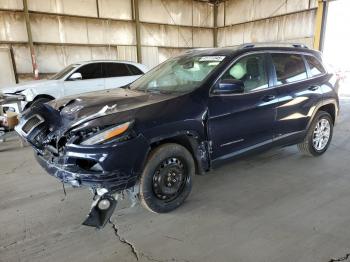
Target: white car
(76,79)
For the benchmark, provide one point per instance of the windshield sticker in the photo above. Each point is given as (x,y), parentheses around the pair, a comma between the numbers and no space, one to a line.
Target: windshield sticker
(212,58)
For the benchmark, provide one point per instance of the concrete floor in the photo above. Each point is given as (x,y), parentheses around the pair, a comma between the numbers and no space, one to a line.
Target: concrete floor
(278,206)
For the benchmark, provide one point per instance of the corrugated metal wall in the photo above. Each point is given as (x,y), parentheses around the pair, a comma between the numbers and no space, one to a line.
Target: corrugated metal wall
(266,21)
(66,31)
(171,26)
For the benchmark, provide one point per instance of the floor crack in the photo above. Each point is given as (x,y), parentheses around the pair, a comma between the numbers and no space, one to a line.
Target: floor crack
(150,258)
(14,169)
(125,241)
(344,258)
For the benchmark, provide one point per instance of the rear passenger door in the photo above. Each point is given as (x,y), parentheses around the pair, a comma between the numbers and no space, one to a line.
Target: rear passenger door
(120,74)
(297,94)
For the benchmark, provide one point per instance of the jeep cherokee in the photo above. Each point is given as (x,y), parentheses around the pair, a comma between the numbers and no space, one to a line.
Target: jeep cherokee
(184,117)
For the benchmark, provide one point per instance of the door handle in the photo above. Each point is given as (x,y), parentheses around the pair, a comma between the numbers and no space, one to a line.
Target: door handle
(268,98)
(313,88)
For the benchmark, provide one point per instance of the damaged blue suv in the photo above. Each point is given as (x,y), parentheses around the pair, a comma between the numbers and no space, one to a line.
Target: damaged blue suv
(184,117)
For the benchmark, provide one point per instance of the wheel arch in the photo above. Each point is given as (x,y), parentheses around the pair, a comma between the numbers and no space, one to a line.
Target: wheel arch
(43,96)
(330,106)
(330,109)
(192,142)
(38,97)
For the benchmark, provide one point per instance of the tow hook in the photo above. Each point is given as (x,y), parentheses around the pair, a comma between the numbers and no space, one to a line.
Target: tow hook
(102,209)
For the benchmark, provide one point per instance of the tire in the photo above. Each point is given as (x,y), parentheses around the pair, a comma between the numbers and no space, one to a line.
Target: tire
(308,147)
(39,101)
(168,161)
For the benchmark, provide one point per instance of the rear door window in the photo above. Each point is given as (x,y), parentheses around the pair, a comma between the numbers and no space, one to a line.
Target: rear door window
(315,66)
(289,68)
(116,70)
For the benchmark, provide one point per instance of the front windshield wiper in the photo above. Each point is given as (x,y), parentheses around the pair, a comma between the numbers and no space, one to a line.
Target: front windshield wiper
(153,90)
(125,87)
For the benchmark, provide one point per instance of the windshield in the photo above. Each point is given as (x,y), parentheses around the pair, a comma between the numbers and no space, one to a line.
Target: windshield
(64,72)
(181,74)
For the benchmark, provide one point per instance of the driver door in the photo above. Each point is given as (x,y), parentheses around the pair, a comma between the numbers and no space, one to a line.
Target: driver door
(92,80)
(242,121)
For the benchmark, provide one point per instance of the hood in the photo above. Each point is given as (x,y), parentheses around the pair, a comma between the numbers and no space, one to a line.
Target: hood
(23,86)
(92,105)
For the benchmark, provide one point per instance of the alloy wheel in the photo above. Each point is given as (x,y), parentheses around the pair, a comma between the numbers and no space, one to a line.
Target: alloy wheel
(321,134)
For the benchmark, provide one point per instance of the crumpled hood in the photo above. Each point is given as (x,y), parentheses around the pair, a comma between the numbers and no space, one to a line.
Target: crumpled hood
(23,86)
(91,105)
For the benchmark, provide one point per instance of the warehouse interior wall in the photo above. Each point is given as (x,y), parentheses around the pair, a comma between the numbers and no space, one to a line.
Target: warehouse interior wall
(266,21)
(67,31)
(7,74)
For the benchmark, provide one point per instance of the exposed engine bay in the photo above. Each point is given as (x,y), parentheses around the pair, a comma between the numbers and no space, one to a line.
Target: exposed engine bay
(81,150)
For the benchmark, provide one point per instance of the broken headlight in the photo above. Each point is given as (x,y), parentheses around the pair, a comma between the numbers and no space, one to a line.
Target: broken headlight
(107,134)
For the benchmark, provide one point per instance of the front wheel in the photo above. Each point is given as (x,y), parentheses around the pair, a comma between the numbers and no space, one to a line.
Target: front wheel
(166,180)
(319,135)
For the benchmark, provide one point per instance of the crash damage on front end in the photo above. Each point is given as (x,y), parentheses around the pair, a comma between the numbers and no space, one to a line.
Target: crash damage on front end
(91,145)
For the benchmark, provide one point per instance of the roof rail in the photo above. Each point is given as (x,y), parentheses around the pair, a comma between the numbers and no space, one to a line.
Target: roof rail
(274,44)
(196,49)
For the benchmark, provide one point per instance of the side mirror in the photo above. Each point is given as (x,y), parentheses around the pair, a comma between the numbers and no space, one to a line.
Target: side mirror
(75,77)
(229,86)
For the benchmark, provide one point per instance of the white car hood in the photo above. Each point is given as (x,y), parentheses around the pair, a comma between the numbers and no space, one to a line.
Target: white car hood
(36,85)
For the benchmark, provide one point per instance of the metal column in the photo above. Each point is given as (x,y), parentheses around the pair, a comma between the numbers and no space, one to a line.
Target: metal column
(135,7)
(30,40)
(320,24)
(215,31)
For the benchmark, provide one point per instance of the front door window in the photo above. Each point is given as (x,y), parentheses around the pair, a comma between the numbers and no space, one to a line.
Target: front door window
(251,71)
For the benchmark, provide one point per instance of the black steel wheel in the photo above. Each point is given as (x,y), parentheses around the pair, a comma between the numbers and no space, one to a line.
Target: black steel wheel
(167,178)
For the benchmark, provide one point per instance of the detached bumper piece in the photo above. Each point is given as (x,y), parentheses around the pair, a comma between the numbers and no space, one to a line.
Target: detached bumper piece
(101,211)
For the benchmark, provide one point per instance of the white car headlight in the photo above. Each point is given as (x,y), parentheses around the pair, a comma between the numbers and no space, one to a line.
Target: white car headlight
(107,134)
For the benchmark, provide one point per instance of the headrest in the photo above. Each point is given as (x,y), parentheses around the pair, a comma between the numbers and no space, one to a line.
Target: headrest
(238,71)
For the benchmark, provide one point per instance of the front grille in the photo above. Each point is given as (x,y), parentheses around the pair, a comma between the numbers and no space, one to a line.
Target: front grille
(32,123)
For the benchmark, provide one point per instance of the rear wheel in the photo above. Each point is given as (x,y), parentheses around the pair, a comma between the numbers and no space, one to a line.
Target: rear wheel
(318,136)
(166,180)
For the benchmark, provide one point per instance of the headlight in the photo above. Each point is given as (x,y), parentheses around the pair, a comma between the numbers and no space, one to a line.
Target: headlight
(107,134)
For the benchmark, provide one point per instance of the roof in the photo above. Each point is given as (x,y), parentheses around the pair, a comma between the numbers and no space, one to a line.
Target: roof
(228,51)
(107,61)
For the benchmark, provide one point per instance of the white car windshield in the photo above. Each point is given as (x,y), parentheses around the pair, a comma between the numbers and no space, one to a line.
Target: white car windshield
(64,72)
(181,74)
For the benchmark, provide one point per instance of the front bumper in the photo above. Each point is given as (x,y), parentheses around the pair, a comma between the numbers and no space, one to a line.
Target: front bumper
(119,164)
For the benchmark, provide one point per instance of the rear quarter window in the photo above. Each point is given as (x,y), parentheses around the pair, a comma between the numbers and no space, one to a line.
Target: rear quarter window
(316,68)
(289,68)
(134,70)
